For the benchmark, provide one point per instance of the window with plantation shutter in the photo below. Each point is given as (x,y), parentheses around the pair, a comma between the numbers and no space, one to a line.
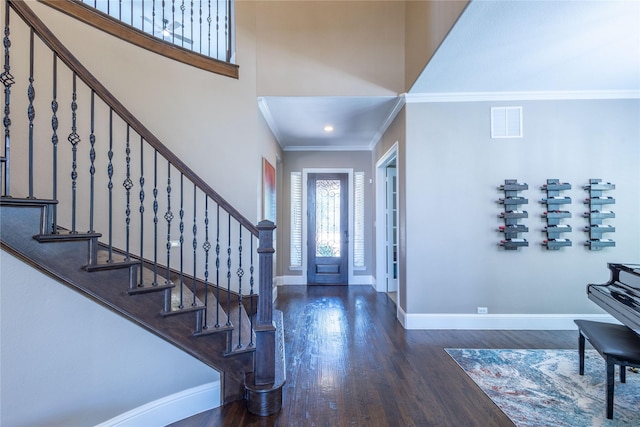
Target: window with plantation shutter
(296,220)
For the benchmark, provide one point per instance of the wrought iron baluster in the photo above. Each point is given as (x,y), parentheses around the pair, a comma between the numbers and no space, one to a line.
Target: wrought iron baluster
(195,245)
(142,195)
(217,34)
(153,16)
(155,218)
(206,246)
(218,266)
(173,19)
(143,15)
(54,141)
(110,185)
(168,216)
(74,139)
(251,293)
(191,36)
(7,80)
(163,6)
(182,9)
(227,30)
(92,158)
(31,112)
(240,273)
(229,269)
(128,185)
(120,10)
(181,227)
(200,27)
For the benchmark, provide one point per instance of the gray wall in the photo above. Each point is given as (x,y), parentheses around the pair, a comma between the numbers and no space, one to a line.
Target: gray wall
(296,161)
(453,169)
(66,361)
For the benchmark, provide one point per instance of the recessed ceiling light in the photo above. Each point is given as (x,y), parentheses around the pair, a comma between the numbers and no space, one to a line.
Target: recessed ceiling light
(328,128)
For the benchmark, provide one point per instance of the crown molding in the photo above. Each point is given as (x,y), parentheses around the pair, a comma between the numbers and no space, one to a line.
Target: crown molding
(266,113)
(400,102)
(327,148)
(416,98)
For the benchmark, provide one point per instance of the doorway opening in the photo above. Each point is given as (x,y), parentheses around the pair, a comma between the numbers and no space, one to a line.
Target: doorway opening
(387,243)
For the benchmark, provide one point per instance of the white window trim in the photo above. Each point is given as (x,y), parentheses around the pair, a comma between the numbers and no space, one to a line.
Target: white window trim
(359,262)
(296,221)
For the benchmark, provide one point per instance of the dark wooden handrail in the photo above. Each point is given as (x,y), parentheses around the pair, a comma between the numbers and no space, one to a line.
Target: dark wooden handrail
(85,75)
(117,28)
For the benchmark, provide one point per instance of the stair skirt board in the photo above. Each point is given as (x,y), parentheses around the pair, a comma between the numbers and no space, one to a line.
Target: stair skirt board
(170,409)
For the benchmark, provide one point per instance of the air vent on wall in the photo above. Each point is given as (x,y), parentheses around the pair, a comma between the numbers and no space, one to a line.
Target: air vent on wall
(506,122)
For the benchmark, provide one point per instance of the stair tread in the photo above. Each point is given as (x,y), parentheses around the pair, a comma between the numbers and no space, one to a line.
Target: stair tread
(65,235)
(23,201)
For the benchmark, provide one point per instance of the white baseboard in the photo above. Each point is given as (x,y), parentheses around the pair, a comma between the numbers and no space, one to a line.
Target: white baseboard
(292,280)
(496,321)
(171,408)
(363,280)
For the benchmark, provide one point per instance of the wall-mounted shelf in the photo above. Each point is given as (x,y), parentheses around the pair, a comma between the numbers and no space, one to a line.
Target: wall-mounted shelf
(596,214)
(512,214)
(554,214)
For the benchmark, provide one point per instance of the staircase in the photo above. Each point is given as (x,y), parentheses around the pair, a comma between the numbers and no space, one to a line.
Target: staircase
(163,249)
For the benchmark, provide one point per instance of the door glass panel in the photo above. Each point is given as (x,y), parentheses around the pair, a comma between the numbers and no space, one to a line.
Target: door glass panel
(327,218)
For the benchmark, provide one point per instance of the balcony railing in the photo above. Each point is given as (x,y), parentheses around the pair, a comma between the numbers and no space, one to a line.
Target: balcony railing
(202,26)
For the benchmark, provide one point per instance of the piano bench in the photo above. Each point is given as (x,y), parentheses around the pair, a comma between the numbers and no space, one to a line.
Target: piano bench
(617,344)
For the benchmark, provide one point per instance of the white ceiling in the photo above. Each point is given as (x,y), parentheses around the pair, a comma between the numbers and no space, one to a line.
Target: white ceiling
(571,47)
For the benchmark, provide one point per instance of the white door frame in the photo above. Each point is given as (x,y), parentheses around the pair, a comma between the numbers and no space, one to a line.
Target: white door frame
(381,226)
(305,176)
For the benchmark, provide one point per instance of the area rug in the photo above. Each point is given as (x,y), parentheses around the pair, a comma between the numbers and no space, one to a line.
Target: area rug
(543,387)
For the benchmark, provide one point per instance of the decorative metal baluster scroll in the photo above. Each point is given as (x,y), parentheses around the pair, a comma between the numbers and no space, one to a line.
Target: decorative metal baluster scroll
(155,218)
(195,247)
(140,280)
(251,293)
(74,139)
(168,216)
(218,267)
(128,185)
(240,273)
(7,81)
(31,112)
(54,142)
(92,159)
(207,247)
(229,270)
(181,228)
(110,185)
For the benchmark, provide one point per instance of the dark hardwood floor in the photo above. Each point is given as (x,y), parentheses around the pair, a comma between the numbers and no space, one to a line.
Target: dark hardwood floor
(350,363)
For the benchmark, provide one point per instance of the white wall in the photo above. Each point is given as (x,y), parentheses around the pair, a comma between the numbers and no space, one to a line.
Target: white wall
(453,169)
(66,361)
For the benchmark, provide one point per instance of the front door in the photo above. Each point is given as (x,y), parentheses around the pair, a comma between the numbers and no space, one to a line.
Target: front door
(328,232)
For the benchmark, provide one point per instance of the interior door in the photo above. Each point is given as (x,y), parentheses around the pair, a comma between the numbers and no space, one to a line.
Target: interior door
(392,229)
(328,232)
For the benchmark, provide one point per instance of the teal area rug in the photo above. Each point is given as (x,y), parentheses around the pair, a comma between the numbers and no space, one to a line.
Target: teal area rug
(543,387)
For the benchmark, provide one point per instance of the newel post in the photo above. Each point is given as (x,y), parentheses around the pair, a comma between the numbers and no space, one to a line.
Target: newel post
(264,369)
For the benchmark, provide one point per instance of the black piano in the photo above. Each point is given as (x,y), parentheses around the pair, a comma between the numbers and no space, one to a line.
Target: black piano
(620,296)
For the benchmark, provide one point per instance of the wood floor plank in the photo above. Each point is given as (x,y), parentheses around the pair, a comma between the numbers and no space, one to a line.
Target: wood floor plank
(350,363)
